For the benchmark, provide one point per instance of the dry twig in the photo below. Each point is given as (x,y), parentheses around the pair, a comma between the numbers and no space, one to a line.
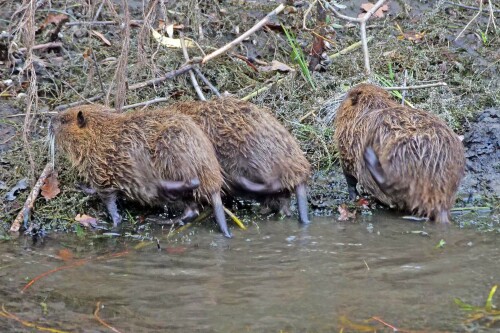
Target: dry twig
(42,46)
(87,100)
(362,27)
(429,85)
(120,77)
(194,82)
(166,76)
(206,81)
(472,20)
(22,216)
(242,37)
(146,103)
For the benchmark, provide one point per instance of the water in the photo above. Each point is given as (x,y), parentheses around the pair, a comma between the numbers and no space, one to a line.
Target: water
(276,276)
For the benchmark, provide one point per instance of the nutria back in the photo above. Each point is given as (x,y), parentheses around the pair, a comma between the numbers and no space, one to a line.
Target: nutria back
(249,141)
(404,157)
(132,152)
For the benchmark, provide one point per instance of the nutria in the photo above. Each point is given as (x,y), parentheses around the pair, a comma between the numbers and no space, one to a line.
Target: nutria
(149,161)
(257,154)
(404,157)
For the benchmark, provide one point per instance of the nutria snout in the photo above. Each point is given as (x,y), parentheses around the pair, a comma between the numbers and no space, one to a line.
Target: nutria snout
(257,154)
(146,159)
(404,157)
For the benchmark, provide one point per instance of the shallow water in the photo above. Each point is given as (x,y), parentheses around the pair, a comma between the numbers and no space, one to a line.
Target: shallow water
(276,276)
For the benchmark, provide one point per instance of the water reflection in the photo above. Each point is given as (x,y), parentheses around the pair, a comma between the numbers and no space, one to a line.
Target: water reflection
(277,276)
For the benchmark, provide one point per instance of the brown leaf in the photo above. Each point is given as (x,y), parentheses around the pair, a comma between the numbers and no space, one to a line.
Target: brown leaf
(50,187)
(57,19)
(276,66)
(101,37)
(379,13)
(363,203)
(86,220)
(65,254)
(345,214)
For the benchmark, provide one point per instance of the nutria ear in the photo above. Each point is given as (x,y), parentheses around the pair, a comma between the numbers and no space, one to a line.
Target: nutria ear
(354,96)
(80,119)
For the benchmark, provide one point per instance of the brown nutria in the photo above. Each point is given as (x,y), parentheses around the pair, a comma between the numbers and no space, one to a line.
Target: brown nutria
(147,160)
(257,154)
(404,157)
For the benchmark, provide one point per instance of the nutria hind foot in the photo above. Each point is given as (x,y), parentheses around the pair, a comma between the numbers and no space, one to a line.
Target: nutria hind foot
(351,186)
(443,217)
(375,168)
(268,187)
(109,200)
(301,193)
(219,214)
(172,190)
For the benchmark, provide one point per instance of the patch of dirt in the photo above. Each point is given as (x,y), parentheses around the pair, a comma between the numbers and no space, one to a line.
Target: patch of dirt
(482,142)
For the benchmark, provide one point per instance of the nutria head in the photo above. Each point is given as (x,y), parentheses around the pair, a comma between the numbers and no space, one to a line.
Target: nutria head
(365,97)
(77,128)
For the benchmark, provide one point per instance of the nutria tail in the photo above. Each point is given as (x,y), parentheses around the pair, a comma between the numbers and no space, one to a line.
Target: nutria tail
(173,190)
(375,168)
(268,187)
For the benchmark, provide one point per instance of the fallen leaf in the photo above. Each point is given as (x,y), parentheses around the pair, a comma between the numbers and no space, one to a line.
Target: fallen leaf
(86,220)
(57,19)
(50,187)
(65,254)
(101,37)
(21,185)
(170,30)
(379,13)
(345,214)
(276,66)
(412,36)
(363,203)
(87,53)
(170,42)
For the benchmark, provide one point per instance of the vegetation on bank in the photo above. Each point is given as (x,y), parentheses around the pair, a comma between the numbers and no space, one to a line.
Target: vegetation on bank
(412,43)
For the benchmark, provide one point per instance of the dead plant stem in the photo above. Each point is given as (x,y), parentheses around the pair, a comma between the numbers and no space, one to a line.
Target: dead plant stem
(362,26)
(22,216)
(194,82)
(242,37)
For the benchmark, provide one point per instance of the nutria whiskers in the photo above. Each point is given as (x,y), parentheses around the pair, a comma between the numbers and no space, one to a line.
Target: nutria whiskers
(404,157)
(147,160)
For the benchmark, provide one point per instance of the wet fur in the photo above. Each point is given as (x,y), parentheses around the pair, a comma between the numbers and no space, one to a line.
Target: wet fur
(139,156)
(404,157)
(251,143)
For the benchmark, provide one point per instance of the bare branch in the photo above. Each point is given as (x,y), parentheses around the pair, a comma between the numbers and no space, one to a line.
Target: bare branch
(242,37)
(23,215)
(166,76)
(206,81)
(437,84)
(362,27)
(194,82)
